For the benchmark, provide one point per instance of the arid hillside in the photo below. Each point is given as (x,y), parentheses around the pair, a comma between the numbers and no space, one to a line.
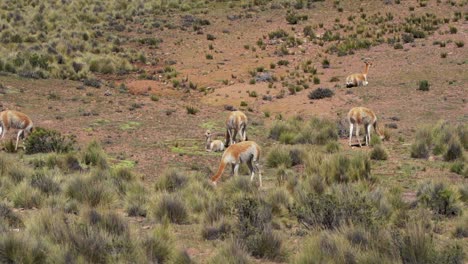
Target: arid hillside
(135,85)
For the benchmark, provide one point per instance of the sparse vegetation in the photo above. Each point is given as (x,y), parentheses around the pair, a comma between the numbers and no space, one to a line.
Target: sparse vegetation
(320,93)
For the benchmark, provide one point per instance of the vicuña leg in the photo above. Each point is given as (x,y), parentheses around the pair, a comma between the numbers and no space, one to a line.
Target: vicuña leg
(368,131)
(350,133)
(236,169)
(357,135)
(17,138)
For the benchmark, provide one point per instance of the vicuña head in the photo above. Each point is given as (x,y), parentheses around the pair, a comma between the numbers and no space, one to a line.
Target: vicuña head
(236,123)
(213,145)
(363,116)
(243,152)
(16,120)
(358,79)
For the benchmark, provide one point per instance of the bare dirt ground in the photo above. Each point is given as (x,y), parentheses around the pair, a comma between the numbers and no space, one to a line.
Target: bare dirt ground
(161,134)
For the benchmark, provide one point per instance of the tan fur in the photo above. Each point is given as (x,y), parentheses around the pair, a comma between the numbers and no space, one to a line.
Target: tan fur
(236,123)
(362,116)
(16,120)
(243,152)
(213,145)
(358,79)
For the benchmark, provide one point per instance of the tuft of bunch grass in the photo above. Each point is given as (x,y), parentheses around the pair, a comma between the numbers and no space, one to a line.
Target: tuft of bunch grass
(378,153)
(172,208)
(171,181)
(94,155)
(232,252)
(279,156)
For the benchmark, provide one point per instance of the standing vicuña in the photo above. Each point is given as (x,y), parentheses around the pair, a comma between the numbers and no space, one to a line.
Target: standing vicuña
(236,123)
(358,79)
(215,145)
(365,116)
(17,120)
(242,152)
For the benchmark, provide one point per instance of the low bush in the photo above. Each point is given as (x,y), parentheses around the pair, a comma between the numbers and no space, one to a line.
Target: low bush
(378,153)
(320,93)
(233,252)
(43,140)
(342,204)
(340,168)
(171,207)
(10,217)
(94,155)
(171,181)
(424,85)
(454,151)
(439,198)
(279,156)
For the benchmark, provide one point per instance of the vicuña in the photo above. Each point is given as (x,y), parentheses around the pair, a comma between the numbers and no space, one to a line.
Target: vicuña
(16,120)
(213,145)
(358,79)
(236,123)
(362,116)
(242,152)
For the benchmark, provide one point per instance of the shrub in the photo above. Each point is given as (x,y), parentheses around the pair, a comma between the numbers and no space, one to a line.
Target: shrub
(417,246)
(279,156)
(339,168)
(135,201)
(216,231)
(44,183)
(454,151)
(158,246)
(424,85)
(171,207)
(379,153)
(332,147)
(171,181)
(92,82)
(24,196)
(43,140)
(419,149)
(11,218)
(233,252)
(94,155)
(320,93)
(266,244)
(21,248)
(461,229)
(460,44)
(439,198)
(343,204)
(9,146)
(464,193)
(191,110)
(90,191)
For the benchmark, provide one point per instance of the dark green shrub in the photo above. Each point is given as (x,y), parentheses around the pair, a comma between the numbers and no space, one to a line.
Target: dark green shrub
(320,93)
(191,110)
(439,198)
(216,231)
(43,140)
(424,85)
